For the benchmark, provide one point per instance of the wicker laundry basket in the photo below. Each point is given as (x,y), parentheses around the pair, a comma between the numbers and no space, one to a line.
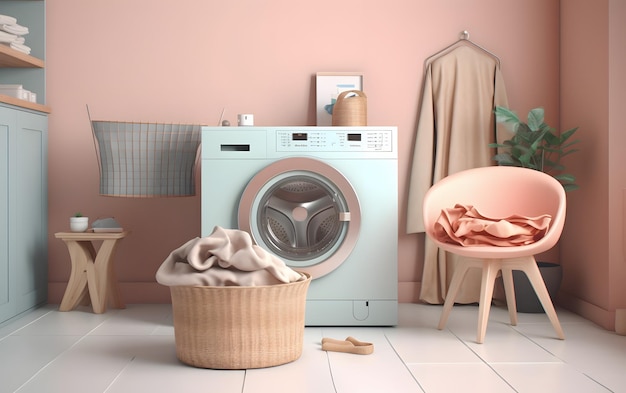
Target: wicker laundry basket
(239,327)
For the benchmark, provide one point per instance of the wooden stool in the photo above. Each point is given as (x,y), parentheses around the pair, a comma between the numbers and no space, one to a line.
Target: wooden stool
(92,272)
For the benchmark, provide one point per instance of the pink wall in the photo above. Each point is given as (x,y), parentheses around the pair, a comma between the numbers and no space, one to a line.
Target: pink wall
(593,243)
(184,61)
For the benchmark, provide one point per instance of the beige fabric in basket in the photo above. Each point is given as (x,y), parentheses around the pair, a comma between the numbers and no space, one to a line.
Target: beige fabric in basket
(226,257)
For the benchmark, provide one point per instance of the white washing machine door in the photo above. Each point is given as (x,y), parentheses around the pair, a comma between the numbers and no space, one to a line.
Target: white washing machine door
(304,211)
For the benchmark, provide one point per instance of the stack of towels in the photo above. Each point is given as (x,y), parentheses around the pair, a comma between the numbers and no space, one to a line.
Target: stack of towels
(12,34)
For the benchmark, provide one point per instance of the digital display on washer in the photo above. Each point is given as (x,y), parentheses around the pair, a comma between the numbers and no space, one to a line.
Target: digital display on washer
(354,137)
(299,136)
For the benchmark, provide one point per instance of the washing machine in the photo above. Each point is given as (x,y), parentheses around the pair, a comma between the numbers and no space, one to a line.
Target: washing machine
(324,200)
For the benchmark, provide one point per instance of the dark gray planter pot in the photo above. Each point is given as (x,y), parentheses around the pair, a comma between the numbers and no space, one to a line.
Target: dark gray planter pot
(525,298)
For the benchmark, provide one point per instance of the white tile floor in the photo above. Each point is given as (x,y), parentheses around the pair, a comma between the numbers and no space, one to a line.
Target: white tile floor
(133,350)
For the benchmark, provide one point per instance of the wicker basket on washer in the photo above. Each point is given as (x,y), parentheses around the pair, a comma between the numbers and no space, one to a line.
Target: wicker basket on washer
(239,327)
(350,109)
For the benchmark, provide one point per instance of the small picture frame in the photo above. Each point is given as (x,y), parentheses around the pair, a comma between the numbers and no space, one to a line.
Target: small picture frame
(328,86)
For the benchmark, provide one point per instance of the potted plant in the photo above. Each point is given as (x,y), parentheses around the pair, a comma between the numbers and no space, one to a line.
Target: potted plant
(79,223)
(535,145)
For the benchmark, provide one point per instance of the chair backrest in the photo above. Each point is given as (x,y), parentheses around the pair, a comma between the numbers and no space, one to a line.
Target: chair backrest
(500,191)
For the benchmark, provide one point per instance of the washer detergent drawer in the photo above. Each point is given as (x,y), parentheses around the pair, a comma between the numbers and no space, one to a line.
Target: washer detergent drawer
(232,144)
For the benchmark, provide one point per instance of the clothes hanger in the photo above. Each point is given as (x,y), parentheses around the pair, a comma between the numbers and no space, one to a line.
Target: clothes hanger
(463,40)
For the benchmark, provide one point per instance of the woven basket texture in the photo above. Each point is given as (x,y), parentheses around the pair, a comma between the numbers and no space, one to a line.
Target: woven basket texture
(350,109)
(239,327)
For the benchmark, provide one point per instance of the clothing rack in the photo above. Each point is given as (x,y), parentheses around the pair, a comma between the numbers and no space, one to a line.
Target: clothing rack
(463,40)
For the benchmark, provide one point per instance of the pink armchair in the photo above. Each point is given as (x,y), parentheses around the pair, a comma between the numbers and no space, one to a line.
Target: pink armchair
(499,191)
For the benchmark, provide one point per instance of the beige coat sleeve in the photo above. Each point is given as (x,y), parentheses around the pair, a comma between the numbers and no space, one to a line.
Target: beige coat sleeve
(423,158)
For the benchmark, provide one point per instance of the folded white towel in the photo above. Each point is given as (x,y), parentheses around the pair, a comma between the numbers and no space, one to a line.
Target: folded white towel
(18,47)
(21,47)
(19,40)
(7,37)
(225,258)
(6,19)
(14,29)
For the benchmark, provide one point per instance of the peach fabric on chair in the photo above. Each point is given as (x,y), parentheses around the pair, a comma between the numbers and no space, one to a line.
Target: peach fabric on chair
(498,191)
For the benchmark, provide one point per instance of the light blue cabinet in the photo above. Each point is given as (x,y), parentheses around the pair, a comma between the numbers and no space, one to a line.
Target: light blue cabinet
(23,210)
(23,167)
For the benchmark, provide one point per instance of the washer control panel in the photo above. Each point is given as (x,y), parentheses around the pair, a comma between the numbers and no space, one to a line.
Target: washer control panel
(327,139)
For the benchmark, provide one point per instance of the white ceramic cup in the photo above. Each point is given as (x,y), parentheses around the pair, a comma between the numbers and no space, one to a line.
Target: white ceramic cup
(245,119)
(79,224)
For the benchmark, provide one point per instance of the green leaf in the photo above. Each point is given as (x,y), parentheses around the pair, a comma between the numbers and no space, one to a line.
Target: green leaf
(506,115)
(545,127)
(535,118)
(569,152)
(566,145)
(537,138)
(554,166)
(567,134)
(523,129)
(504,159)
(565,177)
(551,139)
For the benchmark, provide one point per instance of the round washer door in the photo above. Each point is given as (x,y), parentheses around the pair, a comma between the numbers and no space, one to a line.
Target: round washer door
(304,211)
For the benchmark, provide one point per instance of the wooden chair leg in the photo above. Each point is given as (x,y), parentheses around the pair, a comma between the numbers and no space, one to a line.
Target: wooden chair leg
(490,271)
(455,285)
(534,276)
(509,291)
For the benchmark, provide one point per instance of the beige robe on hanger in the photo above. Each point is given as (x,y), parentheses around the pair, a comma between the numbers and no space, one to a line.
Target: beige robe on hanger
(456,123)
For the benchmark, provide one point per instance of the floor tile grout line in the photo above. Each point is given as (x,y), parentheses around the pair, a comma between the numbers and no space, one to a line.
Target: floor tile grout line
(405,364)
(537,343)
(596,381)
(243,384)
(330,371)
(485,362)
(13,333)
(130,361)
(328,362)
(82,337)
